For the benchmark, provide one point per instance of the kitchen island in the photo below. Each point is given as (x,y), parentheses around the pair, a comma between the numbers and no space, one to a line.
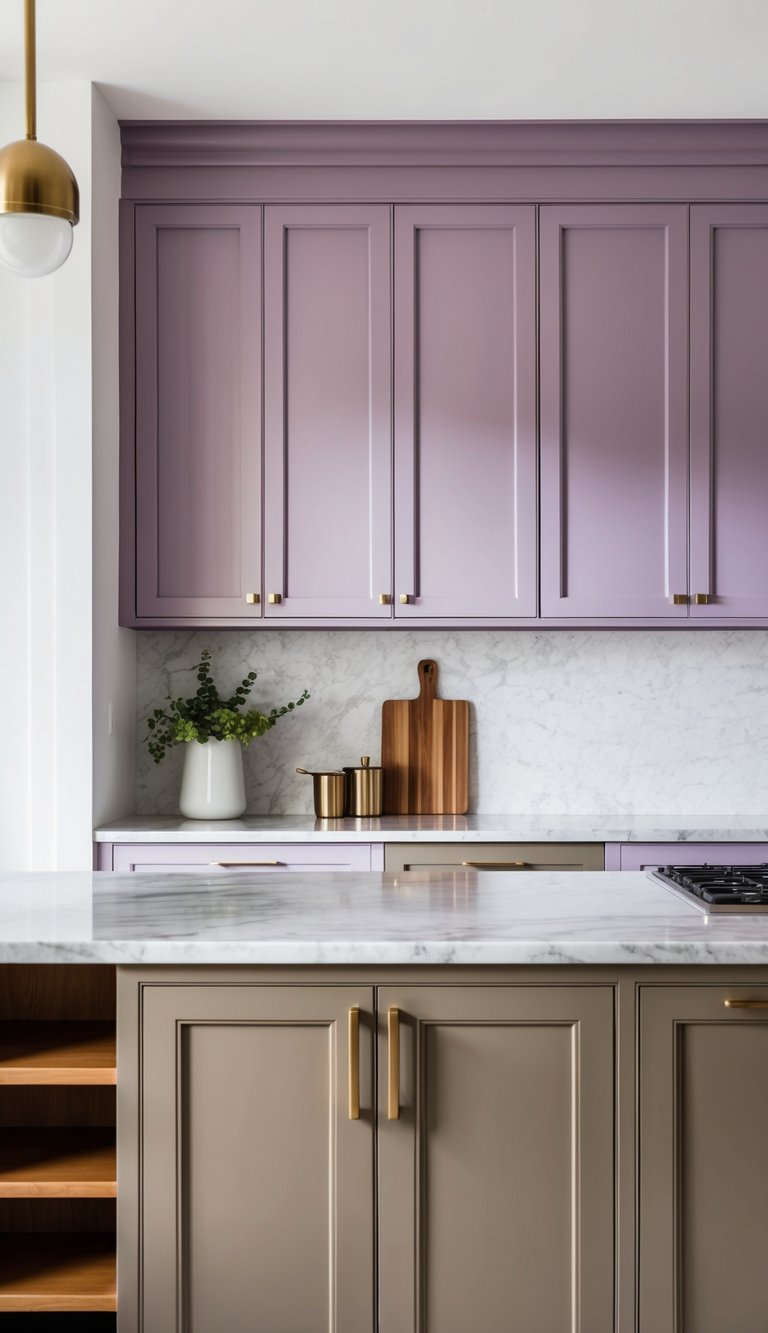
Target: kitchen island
(387,1103)
(437,919)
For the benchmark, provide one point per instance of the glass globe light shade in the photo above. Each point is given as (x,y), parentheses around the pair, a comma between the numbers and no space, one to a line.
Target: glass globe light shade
(33,244)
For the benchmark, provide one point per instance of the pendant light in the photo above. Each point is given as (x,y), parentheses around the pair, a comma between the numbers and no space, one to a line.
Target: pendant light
(39,198)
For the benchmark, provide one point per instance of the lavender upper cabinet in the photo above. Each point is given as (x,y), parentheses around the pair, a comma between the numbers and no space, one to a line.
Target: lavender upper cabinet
(614,419)
(465,412)
(198,413)
(729,411)
(328,464)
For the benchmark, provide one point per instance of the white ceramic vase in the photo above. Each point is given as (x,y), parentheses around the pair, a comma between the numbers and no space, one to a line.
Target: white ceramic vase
(212,785)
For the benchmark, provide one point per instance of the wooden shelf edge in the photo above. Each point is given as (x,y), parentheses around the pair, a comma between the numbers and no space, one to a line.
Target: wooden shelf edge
(48,1162)
(20,1076)
(58,1304)
(58,1271)
(57,1053)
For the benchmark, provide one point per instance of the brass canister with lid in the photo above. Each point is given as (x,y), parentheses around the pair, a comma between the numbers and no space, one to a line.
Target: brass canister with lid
(330,792)
(364,789)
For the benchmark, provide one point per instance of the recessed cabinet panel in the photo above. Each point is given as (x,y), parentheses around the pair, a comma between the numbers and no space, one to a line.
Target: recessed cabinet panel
(198,411)
(256,859)
(328,412)
(703,1160)
(465,412)
(257,1186)
(614,441)
(729,410)
(496,1182)
(494,856)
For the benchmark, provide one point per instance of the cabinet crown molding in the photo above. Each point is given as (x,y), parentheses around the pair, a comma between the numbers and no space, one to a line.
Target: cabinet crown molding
(168,143)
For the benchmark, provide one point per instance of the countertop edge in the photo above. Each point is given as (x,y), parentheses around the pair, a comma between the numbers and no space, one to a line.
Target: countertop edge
(529,953)
(302,829)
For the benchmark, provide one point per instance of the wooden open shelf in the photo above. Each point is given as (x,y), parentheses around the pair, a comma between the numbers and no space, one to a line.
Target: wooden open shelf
(57,1052)
(57,1164)
(50,1271)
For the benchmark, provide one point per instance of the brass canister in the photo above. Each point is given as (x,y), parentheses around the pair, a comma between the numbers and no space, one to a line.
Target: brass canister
(330,791)
(364,789)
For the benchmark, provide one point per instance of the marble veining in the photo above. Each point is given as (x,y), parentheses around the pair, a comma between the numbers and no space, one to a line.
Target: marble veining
(545,918)
(619,722)
(425,828)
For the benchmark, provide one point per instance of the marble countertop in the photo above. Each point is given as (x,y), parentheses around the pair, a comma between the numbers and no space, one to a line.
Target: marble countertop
(427,828)
(354,918)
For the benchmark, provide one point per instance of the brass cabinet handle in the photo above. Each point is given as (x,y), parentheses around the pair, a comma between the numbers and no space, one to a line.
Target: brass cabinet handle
(746,1004)
(404,598)
(701,599)
(393,1064)
(679,599)
(225,865)
(354,1062)
(253,598)
(385,599)
(496,865)
(275,598)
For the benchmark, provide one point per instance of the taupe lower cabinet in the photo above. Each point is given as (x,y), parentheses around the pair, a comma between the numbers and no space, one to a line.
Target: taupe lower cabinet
(496,1183)
(483,1177)
(494,856)
(703,1159)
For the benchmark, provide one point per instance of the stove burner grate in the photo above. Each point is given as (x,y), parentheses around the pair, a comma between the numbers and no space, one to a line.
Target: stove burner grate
(721,884)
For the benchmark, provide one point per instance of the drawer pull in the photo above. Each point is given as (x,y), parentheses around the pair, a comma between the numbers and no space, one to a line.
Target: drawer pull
(496,865)
(354,1063)
(225,865)
(746,1004)
(393,1064)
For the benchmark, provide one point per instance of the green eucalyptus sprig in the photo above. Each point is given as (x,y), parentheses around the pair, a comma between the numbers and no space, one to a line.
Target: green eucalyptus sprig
(206,715)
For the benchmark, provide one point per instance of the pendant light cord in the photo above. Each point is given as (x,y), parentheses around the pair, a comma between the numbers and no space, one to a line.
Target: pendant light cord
(30,59)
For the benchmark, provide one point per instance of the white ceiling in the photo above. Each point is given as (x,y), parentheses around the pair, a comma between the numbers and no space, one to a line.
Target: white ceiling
(401,59)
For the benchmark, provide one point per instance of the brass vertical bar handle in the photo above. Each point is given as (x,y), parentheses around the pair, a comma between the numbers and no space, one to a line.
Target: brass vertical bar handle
(354,1062)
(393,1064)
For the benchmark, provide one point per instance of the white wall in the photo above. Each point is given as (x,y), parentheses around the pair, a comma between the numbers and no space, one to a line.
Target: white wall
(46,423)
(114,649)
(365,59)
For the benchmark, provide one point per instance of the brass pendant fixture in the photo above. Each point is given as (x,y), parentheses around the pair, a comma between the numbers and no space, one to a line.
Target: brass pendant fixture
(39,198)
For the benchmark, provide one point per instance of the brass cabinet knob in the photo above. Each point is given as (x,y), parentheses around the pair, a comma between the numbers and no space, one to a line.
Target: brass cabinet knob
(253,598)
(701,599)
(275,598)
(385,599)
(404,598)
(679,599)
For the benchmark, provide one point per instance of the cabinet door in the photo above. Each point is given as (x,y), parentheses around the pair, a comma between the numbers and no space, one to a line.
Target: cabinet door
(703,1160)
(198,411)
(256,1186)
(257,859)
(729,410)
(614,418)
(465,412)
(494,856)
(328,448)
(649,856)
(496,1189)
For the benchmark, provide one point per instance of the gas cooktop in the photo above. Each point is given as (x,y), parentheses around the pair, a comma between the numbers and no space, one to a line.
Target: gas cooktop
(720,888)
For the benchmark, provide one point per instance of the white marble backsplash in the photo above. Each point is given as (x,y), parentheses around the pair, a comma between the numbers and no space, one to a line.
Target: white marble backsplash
(616,722)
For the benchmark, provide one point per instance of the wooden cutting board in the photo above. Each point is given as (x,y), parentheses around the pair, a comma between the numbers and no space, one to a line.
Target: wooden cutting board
(425,751)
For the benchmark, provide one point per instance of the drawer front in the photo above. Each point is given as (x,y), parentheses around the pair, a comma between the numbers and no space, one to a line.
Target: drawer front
(259,858)
(651,855)
(494,856)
